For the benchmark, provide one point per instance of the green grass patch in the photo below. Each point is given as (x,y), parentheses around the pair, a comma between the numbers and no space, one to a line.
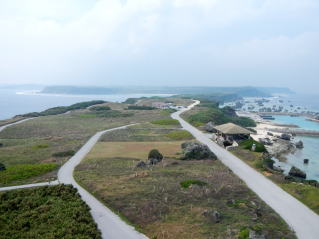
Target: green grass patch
(40,146)
(307,194)
(179,135)
(25,171)
(188,183)
(166,122)
(46,212)
(247,144)
(64,154)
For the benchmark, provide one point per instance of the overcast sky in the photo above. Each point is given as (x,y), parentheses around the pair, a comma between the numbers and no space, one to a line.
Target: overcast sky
(160,42)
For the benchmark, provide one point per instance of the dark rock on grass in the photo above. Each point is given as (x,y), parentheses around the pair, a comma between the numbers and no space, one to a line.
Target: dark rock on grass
(154,161)
(2,167)
(213,216)
(141,164)
(255,235)
(196,151)
(209,127)
(1,145)
(306,161)
(266,155)
(296,172)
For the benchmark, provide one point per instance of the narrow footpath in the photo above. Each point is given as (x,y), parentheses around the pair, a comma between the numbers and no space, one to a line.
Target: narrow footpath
(298,216)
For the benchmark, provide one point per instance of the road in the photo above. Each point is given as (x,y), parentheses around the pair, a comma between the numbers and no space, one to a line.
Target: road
(29,185)
(15,123)
(299,217)
(111,225)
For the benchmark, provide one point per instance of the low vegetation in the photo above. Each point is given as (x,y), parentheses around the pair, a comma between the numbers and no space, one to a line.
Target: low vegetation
(64,154)
(179,135)
(24,171)
(64,109)
(248,144)
(169,199)
(166,122)
(46,212)
(210,112)
(140,107)
(100,108)
(190,182)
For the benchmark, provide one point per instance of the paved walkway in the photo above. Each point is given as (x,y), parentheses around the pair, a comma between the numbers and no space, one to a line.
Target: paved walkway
(29,185)
(300,218)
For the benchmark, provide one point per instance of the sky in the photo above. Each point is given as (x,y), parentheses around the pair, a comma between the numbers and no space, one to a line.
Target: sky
(160,42)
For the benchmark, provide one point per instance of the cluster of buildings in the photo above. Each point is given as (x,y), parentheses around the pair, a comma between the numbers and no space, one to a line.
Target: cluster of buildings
(163,105)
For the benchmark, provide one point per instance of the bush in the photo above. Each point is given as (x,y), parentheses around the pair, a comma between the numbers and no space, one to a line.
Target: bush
(244,233)
(46,212)
(137,107)
(268,163)
(100,108)
(155,154)
(166,122)
(64,154)
(2,167)
(247,144)
(1,145)
(131,101)
(188,183)
(180,135)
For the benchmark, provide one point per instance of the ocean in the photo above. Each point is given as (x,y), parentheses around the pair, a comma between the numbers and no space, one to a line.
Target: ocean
(310,150)
(14,102)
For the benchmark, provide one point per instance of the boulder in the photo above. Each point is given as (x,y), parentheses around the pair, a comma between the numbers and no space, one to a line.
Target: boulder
(2,167)
(209,127)
(213,216)
(197,151)
(299,145)
(266,155)
(285,137)
(265,141)
(1,145)
(255,235)
(270,134)
(296,172)
(306,161)
(141,164)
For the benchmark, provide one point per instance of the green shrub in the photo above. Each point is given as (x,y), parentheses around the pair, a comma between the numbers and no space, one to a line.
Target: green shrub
(166,122)
(100,108)
(131,101)
(2,167)
(25,171)
(179,135)
(46,212)
(155,154)
(268,163)
(138,107)
(188,183)
(64,154)
(40,146)
(247,144)
(244,233)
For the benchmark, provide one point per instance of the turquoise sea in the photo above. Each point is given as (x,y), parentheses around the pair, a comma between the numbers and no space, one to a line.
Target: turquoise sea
(310,150)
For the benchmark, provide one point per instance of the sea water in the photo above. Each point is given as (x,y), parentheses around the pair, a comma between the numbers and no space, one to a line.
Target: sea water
(310,150)
(13,102)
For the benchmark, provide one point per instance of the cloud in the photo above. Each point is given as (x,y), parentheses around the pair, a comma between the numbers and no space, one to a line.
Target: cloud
(70,41)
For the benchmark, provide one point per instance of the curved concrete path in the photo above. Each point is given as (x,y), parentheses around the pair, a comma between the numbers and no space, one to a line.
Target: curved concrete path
(299,217)
(15,123)
(29,185)
(111,225)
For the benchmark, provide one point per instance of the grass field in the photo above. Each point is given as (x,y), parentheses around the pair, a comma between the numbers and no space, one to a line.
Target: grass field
(38,141)
(55,212)
(167,201)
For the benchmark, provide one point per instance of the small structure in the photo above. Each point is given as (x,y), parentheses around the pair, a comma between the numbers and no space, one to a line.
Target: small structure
(232,132)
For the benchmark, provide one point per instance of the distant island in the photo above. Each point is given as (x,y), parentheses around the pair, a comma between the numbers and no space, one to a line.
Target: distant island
(95,90)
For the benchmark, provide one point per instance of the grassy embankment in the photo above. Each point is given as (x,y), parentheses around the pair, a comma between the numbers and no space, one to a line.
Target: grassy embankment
(40,146)
(168,200)
(46,212)
(209,111)
(308,194)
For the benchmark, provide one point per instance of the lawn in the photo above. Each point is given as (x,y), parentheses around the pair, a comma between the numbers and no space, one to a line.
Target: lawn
(168,200)
(53,212)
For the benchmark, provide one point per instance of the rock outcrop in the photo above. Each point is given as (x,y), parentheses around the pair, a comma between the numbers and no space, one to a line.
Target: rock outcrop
(296,172)
(196,151)
(209,127)
(213,216)
(299,145)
